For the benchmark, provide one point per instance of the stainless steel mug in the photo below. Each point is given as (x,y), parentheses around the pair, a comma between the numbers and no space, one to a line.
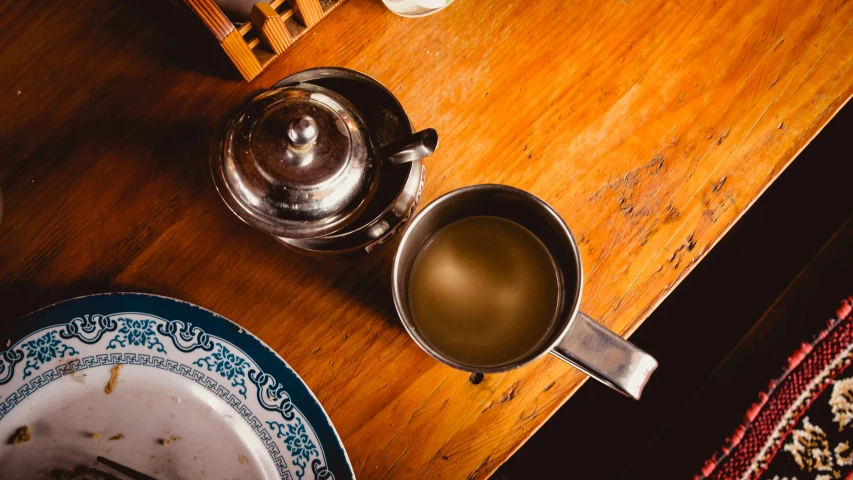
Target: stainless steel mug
(575,337)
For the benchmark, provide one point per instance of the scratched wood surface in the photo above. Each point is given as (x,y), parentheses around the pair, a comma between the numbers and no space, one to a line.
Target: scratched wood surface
(649,125)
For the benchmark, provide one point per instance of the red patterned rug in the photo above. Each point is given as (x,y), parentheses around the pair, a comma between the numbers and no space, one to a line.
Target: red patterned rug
(802,428)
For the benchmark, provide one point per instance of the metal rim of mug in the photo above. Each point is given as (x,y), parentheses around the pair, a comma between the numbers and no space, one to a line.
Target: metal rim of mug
(541,349)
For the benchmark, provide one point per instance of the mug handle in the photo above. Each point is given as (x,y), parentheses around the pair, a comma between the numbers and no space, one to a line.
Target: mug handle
(605,356)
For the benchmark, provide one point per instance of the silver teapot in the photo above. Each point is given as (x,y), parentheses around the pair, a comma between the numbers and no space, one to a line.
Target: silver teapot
(300,162)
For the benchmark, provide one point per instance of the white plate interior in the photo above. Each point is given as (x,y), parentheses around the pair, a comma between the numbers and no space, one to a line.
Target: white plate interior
(146,406)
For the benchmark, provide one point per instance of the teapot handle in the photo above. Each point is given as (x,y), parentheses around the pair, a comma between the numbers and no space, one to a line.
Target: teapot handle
(414,147)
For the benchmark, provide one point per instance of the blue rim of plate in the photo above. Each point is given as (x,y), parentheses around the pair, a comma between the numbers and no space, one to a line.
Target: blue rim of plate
(92,318)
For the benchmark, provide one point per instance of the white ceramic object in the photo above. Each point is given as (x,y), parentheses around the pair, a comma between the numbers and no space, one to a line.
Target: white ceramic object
(196,396)
(416,8)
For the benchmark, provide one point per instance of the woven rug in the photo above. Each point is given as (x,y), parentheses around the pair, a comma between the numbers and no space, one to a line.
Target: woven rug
(802,427)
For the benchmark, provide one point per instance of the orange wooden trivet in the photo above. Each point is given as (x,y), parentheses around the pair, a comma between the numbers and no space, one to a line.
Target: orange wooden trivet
(272,28)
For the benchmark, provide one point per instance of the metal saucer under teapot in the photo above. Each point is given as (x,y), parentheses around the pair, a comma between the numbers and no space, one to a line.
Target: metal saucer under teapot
(302,162)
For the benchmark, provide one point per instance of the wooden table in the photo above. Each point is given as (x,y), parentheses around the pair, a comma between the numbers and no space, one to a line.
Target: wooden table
(649,125)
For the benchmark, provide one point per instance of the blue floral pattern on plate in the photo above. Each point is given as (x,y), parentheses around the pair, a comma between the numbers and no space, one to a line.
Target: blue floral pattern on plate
(137,332)
(44,349)
(227,364)
(298,443)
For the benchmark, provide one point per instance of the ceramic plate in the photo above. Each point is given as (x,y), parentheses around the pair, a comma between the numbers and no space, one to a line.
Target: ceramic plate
(195,396)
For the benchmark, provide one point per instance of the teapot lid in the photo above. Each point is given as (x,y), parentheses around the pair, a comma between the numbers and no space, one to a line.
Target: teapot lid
(294,161)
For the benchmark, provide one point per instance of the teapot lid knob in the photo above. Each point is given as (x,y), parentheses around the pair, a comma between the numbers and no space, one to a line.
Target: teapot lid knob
(302,132)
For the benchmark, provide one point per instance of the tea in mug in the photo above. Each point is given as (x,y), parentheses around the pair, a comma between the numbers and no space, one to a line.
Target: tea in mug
(484,291)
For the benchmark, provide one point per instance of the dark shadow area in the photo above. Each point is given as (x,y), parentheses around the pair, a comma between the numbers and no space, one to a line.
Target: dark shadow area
(183,40)
(350,275)
(672,431)
(718,407)
(20,299)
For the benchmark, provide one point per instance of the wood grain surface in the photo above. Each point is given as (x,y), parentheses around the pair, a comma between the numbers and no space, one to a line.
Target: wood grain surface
(649,125)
